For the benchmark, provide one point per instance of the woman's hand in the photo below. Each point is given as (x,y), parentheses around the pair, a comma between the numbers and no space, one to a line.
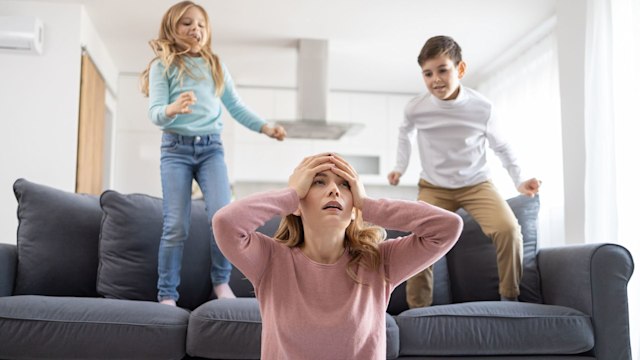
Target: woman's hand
(347,172)
(302,176)
(181,105)
(276,132)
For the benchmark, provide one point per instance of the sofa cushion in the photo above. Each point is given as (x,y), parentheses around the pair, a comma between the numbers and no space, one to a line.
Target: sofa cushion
(57,241)
(473,271)
(494,328)
(47,327)
(231,329)
(129,242)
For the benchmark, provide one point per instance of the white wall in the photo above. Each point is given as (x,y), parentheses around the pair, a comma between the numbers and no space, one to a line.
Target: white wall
(39,97)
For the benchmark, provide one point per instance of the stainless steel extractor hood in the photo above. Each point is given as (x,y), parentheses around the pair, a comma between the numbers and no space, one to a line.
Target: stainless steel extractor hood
(313,93)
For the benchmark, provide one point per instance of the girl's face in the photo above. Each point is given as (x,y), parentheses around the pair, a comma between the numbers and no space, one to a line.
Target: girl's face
(193,26)
(328,202)
(442,77)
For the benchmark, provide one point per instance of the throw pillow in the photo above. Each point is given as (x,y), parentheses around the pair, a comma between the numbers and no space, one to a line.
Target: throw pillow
(57,241)
(129,242)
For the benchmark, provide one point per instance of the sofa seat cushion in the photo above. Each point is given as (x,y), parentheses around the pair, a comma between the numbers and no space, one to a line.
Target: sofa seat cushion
(494,328)
(231,329)
(90,328)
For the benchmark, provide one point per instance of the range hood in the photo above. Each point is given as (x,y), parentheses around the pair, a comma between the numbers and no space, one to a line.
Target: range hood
(313,93)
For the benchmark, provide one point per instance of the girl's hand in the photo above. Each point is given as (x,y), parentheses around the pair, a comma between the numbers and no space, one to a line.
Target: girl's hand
(304,173)
(181,105)
(347,172)
(530,187)
(276,132)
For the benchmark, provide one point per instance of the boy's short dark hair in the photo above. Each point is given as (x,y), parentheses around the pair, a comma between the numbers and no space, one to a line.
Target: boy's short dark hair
(439,45)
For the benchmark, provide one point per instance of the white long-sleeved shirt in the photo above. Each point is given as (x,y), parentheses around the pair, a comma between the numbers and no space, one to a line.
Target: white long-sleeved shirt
(452,137)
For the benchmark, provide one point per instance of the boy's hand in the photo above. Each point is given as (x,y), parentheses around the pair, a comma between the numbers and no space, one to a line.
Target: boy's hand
(276,132)
(181,105)
(530,187)
(302,176)
(394,178)
(347,172)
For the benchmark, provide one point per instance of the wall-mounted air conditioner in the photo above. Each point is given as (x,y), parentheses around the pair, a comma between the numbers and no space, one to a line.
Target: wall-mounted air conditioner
(23,34)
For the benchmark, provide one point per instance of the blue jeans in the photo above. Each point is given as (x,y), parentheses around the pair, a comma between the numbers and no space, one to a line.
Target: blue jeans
(184,158)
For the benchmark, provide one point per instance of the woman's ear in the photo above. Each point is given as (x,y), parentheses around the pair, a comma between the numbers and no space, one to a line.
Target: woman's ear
(297,212)
(353,214)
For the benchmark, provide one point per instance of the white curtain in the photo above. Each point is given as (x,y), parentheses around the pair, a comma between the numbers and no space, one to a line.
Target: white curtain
(526,96)
(612,97)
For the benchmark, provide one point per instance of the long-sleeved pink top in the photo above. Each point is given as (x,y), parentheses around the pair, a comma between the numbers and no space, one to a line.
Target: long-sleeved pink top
(316,311)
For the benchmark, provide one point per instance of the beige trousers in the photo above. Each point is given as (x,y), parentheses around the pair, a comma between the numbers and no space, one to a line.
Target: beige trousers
(492,213)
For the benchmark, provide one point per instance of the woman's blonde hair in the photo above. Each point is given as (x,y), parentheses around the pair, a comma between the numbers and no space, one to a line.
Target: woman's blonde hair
(169,48)
(360,241)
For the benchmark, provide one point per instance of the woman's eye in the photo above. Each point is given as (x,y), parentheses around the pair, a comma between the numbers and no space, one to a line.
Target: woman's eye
(346,184)
(318,182)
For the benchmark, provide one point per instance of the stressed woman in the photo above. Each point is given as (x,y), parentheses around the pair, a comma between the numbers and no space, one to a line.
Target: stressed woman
(324,281)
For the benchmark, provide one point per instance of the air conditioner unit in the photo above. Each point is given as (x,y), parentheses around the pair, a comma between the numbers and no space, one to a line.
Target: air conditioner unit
(21,34)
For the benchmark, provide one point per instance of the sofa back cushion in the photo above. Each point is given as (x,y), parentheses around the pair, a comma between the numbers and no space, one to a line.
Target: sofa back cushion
(57,241)
(129,242)
(473,271)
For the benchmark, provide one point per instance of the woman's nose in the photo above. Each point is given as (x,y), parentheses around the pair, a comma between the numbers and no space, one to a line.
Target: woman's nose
(333,190)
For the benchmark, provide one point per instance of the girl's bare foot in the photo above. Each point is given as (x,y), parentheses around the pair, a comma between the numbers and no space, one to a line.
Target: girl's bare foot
(169,302)
(223,291)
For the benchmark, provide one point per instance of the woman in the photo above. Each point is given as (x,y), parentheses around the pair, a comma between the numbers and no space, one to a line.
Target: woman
(324,282)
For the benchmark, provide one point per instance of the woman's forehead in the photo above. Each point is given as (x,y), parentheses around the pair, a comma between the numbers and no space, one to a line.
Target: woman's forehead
(329,174)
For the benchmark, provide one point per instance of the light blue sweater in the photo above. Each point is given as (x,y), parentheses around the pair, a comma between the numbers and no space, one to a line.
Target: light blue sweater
(205,116)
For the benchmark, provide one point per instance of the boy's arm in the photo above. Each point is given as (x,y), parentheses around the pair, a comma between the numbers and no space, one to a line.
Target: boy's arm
(234,227)
(403,154)
(434,232)
(504,151)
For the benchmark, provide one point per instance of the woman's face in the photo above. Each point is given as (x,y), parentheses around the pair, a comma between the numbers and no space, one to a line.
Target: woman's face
(329,201)
(193,26)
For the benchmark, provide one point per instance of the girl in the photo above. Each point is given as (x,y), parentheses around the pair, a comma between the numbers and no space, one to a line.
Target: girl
(186,84)
(324,282)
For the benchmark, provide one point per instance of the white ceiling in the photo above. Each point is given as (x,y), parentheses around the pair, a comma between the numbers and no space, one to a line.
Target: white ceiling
(373,44)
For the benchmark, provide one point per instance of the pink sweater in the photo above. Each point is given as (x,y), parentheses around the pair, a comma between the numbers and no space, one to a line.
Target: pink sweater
(316,311)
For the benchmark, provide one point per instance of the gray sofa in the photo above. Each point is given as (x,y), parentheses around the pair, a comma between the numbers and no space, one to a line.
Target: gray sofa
(80,284)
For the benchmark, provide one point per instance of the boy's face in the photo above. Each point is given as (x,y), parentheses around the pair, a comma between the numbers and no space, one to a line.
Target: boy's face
(442,77)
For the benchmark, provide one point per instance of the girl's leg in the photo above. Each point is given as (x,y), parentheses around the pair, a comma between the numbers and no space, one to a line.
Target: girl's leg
(176,172)
(214,182)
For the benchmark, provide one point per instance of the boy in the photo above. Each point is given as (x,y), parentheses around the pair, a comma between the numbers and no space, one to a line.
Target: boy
(453,125)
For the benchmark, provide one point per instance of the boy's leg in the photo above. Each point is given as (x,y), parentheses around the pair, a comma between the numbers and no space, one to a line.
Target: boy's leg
(419,290)
(493,214)
(214,183)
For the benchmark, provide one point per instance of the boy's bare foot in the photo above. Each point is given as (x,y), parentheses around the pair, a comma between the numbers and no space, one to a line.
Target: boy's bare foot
(169,302)
(223,291)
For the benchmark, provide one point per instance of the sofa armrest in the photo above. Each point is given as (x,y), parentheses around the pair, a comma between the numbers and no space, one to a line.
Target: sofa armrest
(8,265)
(592,278)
